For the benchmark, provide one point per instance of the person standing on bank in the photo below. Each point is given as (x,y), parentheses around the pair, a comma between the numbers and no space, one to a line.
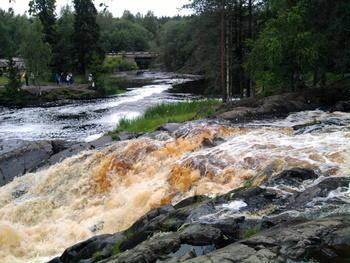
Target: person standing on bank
(58,79)
(26,78)
(91,81)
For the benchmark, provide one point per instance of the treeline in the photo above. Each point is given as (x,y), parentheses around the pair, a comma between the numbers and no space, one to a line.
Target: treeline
(243,47)
(75,40)
(246,47)
(49,43)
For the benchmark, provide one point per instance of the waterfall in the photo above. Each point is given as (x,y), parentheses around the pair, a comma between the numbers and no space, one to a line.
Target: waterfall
(105,191)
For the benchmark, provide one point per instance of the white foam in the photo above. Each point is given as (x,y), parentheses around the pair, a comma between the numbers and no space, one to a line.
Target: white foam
(236,205)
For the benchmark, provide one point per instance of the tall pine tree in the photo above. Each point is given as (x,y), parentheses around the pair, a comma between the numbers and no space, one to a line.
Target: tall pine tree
(45,11)
(86,35)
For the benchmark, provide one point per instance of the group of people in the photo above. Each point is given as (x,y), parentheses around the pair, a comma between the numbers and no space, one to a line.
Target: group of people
(64,78)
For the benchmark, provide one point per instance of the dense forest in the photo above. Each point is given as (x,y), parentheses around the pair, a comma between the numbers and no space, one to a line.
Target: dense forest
(243,47)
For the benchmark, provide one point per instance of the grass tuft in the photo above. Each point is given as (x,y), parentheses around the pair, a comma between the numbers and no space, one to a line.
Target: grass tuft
(168,113)
(249,233)
(3,80)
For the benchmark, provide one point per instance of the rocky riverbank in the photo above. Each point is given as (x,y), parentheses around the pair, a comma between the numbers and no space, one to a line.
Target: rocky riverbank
(25,157)
(218,190)
(296,216)
(29,96)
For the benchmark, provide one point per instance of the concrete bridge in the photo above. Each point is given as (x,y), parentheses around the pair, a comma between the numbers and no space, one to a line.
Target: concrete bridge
(142,59)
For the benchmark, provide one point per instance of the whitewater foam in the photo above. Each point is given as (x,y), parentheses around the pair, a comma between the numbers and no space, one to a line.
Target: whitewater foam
(105,191)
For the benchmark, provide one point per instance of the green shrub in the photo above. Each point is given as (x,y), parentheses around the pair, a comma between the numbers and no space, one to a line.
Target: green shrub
(108,85)
(118,63)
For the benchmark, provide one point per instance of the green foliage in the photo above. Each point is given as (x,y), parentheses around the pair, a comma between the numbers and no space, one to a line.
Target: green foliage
(36,53)
(150,22)
(12,29)
(45,11)
(14,78)
(86,36)
(3,80)
(190,45)
(14,97)
(171,224)
(177,43)
(168,113)
(247,233)
(109,85)
(125,35)
(302,43)
(283,49)
(248,184)
(118,63)
(64,55)
(117,247)
(274,45)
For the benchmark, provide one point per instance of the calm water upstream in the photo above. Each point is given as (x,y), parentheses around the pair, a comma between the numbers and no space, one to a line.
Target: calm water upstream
(86,120)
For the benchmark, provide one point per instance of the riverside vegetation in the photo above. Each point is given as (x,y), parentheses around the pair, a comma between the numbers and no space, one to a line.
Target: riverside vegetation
(159,115)
(262,179)
(243,48)
(50,92)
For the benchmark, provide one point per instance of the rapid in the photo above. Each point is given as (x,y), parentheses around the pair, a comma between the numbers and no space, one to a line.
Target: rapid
(86,120)
(106,191)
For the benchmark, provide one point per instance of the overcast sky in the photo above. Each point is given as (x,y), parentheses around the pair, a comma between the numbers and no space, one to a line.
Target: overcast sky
(159,7)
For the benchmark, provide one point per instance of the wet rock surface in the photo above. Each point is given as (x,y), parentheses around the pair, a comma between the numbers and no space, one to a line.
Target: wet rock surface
(307,222)
(293,177)
(76,148)
(26,158)
(29,156)
(277,105)
(170,127)
(341,106)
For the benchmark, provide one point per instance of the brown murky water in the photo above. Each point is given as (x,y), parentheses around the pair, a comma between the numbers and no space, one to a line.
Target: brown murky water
(99,192)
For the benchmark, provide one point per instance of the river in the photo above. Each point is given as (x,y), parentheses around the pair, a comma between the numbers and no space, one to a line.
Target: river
(85,120)
(105,191)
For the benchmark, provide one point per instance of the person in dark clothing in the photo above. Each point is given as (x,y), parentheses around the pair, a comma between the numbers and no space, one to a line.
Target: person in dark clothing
(63,78)
(58,79)
(71,79)
(26,78)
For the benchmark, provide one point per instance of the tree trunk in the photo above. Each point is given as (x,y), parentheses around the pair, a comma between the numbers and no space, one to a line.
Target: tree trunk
(222,52)
(315,80)
(250,92)
(228,58)
(240,47)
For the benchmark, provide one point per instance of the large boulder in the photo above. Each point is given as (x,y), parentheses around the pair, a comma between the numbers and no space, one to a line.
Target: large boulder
(341,106)
(79,147)
(324,240)
(170,127)
(292,177)
(26,158)
(271,106)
